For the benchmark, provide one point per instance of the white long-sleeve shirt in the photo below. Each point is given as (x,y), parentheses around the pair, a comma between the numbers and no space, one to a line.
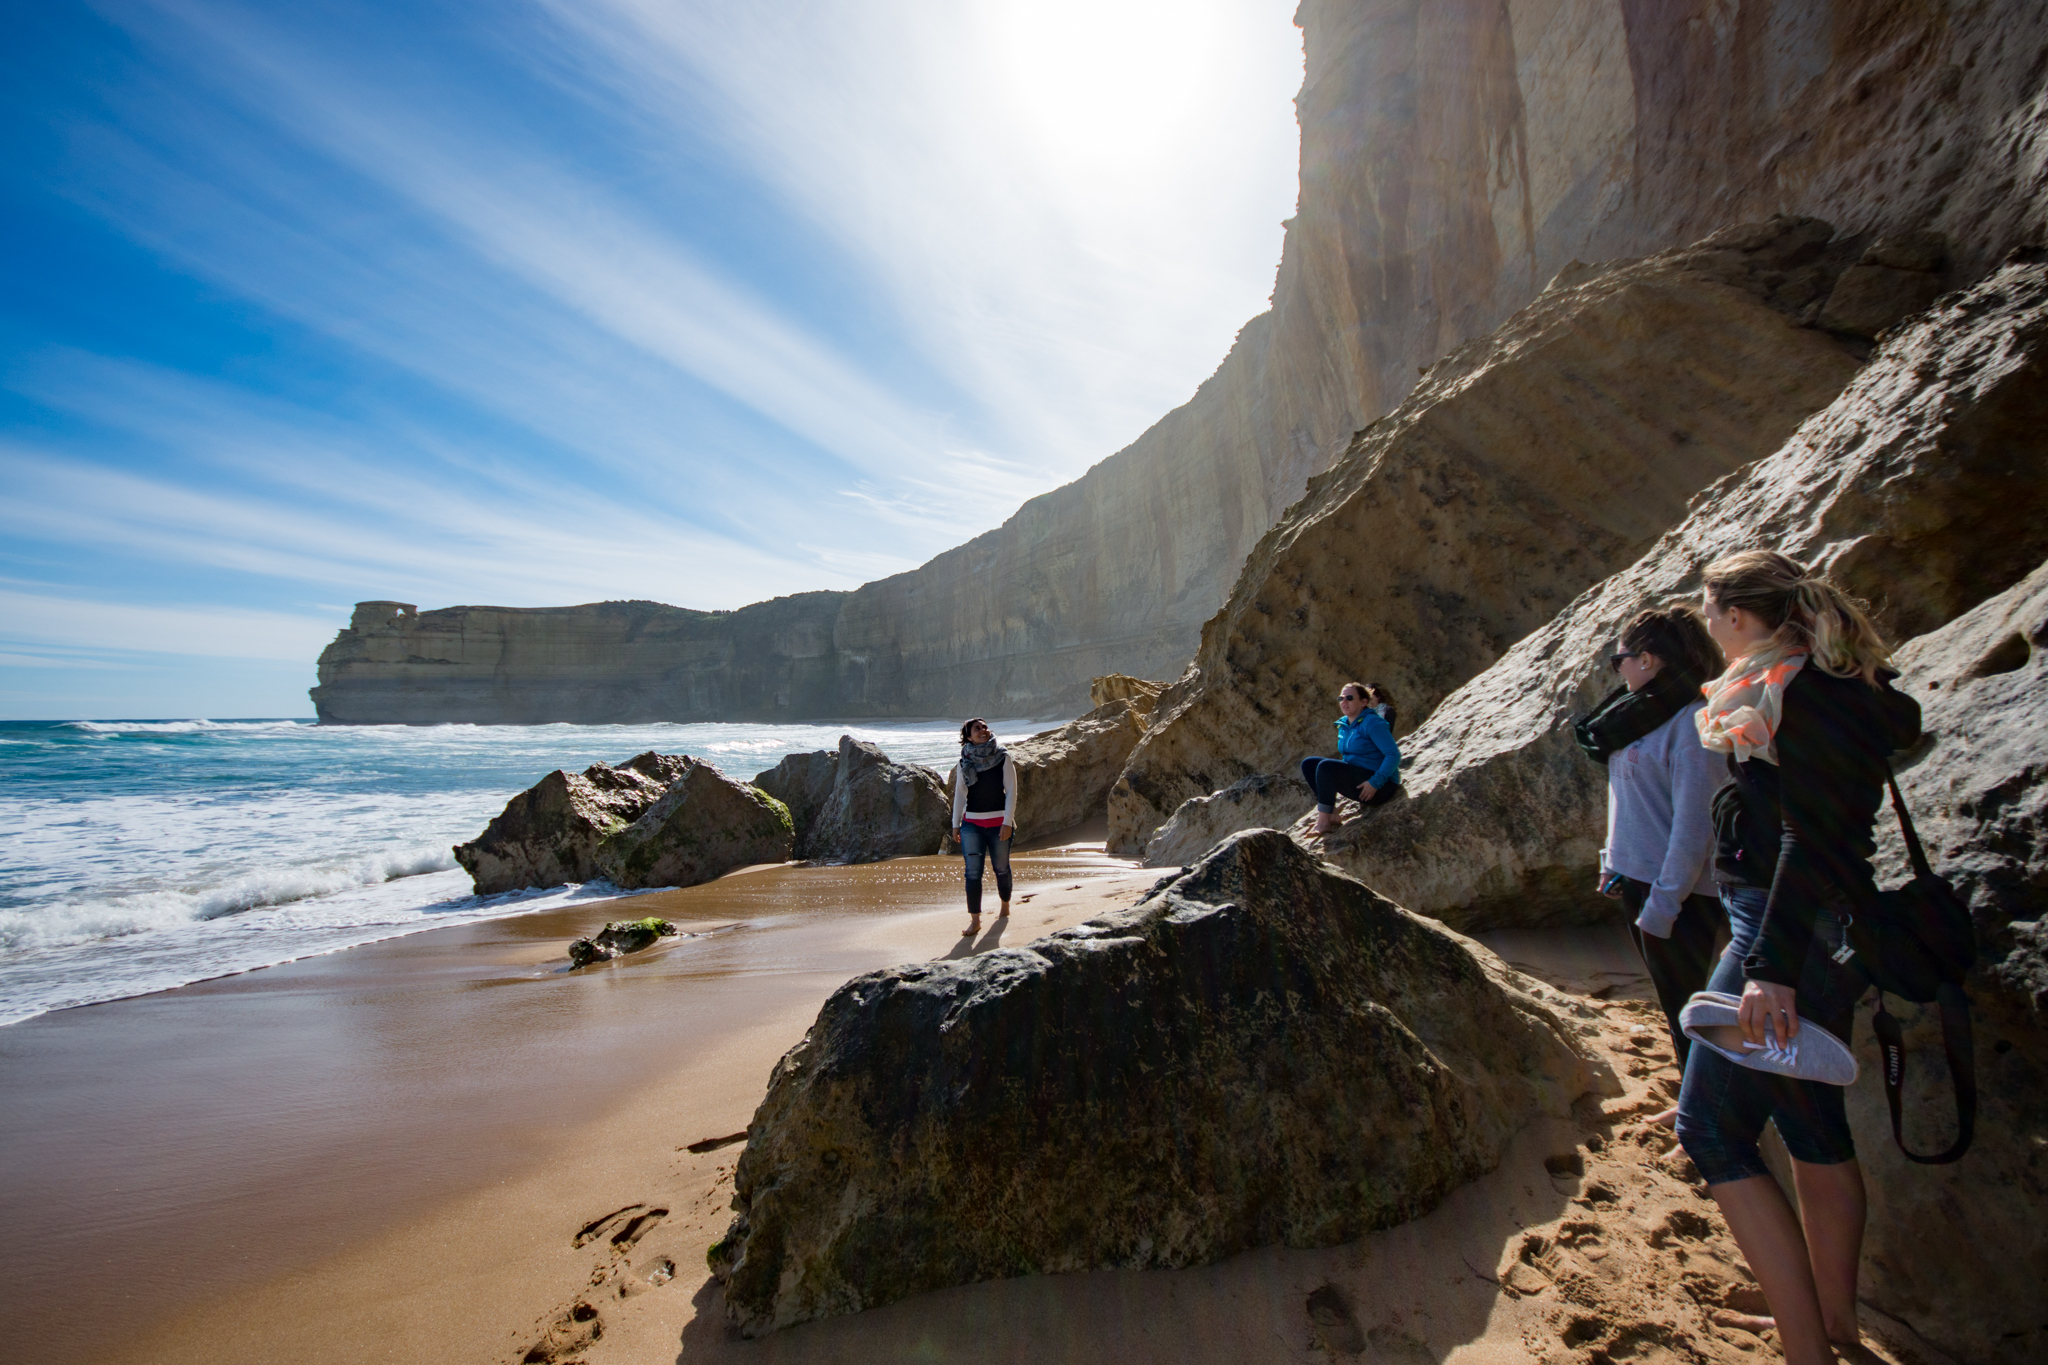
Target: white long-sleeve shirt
(1660,818)
(962,782)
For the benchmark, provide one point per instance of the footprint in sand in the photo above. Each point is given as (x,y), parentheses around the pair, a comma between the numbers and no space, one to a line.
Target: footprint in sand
(572,1331)
(626,1226)
(1336,1330)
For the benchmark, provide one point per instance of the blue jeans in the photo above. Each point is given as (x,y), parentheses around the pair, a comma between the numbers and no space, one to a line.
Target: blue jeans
(976,843)
(1722,1107)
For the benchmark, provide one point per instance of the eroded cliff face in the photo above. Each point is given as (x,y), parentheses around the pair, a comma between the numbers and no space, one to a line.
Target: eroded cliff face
(1455,155)
(1525,468)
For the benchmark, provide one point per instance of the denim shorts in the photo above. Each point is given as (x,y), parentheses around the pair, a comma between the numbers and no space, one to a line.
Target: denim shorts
(1722,1107)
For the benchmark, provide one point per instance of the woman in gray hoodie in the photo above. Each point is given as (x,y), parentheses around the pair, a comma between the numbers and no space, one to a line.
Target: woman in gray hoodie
(1659,859)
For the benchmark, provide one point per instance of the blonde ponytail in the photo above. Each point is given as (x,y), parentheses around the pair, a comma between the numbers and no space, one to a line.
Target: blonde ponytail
(1810,615)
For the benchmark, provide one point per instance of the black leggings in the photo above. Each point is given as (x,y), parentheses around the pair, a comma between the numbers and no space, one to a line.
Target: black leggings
(1678,965)
(1333,777)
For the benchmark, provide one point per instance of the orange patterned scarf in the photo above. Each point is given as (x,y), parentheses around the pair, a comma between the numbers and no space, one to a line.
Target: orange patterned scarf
(1744,706)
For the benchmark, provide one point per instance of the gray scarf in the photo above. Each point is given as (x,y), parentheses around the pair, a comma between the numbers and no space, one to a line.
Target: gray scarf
(979,758)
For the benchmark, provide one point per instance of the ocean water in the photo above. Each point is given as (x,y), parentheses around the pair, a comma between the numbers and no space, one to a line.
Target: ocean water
(140,855)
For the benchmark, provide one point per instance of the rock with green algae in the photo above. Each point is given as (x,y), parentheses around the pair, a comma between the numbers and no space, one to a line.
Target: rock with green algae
(703,826)
(1259,1051)
(618,938)
(549,833)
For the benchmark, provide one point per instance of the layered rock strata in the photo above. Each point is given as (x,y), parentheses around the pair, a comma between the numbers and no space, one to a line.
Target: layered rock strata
(1454,158)
(1978,790)
(1923,487)
(1259,1051)
(550,833)
(1524,468)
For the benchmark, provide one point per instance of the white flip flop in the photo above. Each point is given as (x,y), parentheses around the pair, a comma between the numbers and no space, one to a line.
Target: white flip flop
(1815,1055)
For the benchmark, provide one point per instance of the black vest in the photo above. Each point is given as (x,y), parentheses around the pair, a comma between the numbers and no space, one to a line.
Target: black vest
(986,794)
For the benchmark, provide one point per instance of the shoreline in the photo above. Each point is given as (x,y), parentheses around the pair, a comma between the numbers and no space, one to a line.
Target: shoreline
(509,1161)
(183,1151)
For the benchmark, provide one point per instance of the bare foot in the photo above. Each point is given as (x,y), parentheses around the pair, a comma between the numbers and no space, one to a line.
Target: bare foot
(1325,822)
(1753,1323)
(973,927)
(1667,1119)
(1004,911)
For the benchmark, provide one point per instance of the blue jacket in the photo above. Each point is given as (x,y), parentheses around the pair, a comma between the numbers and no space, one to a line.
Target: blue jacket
(1368,743)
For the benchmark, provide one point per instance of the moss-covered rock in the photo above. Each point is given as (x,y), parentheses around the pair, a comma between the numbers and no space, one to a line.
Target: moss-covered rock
(703,826)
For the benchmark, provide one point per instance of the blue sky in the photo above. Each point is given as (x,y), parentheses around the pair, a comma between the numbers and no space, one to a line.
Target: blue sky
(535,302)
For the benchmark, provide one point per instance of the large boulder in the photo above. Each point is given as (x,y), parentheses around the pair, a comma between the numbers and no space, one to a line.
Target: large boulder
(1259,1051)
(703,826)
(1897,277)
(1924,488)
(1064,775)
(877,809)
(1261,801)
(1957,1250)
(802,782)
(1523,468)
(549,834)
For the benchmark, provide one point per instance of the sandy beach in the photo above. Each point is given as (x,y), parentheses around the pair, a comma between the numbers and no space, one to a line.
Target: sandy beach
(447,1148)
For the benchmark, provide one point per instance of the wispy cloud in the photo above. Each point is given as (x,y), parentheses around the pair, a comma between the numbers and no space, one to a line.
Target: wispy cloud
(88,625)
(702,302)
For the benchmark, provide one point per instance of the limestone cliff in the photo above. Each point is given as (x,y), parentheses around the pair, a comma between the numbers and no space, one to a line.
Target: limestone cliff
(1524,469)
(1455,156)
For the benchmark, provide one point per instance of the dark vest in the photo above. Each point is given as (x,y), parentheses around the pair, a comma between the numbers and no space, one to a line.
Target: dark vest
(986,795)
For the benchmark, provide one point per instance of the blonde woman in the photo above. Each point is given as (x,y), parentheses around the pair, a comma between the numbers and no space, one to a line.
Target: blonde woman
(1807,718)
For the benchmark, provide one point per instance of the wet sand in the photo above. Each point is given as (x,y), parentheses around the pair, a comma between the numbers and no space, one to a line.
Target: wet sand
(194,1148)
(446,1149)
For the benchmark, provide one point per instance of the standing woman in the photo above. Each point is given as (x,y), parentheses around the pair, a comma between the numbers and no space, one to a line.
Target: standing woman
(1367,767)
(984,813)
(1659,859)
(1807,717)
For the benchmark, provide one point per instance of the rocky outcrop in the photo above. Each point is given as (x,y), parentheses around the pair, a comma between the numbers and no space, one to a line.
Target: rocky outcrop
(802,782)
(1978,790)
(549,834)
(1259,1051)
(1524,468)
(1924,488)
(1142,693)
(1261,801)
(877,809)
(1064,775)
(1454,158)
(703,826)
(1897,277)
(618,938)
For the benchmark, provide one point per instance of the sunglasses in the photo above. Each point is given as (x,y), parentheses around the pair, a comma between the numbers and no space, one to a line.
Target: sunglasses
(1349,696)
(1614,660)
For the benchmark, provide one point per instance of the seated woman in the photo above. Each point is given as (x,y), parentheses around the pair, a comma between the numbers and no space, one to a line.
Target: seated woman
(1367,766)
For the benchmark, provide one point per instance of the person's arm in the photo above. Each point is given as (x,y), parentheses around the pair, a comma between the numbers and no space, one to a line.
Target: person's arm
(1694,774)
(1390,754)
(1009,795)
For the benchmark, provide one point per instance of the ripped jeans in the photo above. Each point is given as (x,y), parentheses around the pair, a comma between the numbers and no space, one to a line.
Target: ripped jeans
(978,842)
